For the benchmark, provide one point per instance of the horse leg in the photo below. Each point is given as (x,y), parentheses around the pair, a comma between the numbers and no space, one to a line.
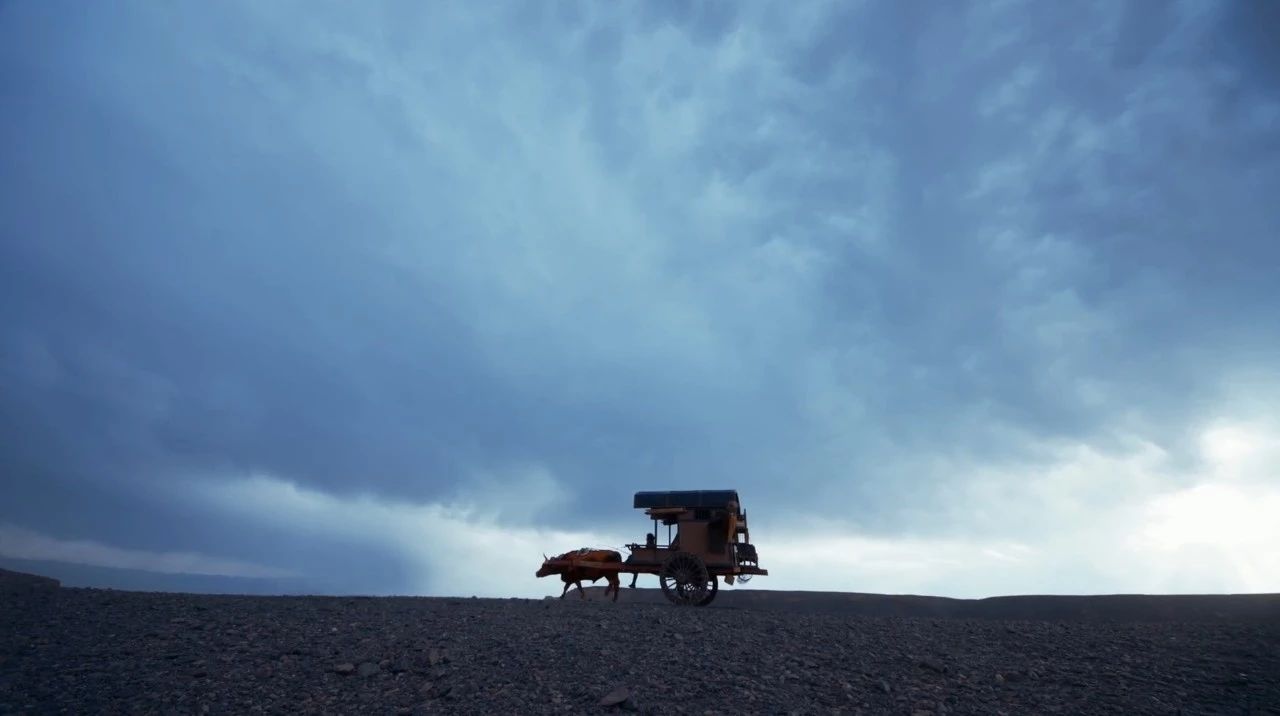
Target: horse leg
(614,584)
(634,577)
(565,590)
(580,592)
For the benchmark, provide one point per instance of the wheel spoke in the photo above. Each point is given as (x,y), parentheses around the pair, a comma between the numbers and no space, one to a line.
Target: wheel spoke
(684,579)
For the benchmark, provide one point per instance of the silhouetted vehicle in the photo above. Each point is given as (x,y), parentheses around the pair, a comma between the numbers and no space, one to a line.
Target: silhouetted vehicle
(707,540)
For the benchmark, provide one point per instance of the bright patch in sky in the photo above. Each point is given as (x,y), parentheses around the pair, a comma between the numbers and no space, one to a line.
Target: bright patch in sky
(1230,447)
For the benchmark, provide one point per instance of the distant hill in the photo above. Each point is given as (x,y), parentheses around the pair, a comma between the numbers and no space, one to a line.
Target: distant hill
(1108,607)
(80,575)
(25,583)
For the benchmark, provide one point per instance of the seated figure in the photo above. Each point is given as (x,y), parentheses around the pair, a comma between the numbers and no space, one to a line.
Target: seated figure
(650,542)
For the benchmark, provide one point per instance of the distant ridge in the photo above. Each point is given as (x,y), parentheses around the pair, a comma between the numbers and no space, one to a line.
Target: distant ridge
(1105,607)
(136,580)
(23,583)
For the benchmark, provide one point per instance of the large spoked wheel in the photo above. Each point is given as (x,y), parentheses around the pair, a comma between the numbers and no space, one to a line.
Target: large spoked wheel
(713,587)
(684,579)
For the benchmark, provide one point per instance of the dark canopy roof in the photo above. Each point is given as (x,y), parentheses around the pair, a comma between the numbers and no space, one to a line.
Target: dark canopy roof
(691,499)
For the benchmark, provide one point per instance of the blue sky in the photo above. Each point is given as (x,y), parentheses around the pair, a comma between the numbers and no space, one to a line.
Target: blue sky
(964,298)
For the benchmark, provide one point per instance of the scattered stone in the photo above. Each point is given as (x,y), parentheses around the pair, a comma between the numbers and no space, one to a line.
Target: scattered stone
(344,669)
(439,691)
(368,668)
(933,666)
(616,696)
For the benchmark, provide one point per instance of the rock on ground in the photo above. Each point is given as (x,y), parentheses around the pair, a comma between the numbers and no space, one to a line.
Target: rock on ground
(92,651)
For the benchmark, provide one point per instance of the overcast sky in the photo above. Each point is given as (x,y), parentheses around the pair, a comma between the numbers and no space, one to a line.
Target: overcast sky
(964,299)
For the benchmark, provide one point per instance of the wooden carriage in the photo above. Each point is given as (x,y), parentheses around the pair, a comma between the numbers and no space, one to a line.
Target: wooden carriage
(706,540)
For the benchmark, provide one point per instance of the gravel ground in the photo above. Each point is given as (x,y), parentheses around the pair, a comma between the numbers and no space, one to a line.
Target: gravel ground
(94,651)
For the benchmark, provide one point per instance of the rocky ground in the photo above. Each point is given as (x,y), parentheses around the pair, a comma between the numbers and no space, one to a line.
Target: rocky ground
(90,651)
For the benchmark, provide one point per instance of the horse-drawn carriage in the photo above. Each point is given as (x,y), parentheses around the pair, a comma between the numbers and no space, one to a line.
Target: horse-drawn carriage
(707,540)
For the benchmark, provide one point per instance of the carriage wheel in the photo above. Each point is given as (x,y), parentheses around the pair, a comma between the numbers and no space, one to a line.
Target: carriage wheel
(684,579)
(713,587)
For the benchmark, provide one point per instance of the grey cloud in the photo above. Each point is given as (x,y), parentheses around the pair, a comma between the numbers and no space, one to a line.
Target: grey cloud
(377,254)
(1244,39)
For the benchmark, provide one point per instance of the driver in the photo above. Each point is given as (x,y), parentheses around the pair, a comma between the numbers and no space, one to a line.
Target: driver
(650,542)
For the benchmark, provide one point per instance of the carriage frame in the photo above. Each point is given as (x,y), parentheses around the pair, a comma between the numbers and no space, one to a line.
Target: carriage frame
(707,541)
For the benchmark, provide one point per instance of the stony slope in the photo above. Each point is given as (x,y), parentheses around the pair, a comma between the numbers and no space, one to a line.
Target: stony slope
(90,651)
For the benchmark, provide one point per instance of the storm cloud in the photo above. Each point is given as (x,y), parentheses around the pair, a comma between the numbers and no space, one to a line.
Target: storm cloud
(967,298)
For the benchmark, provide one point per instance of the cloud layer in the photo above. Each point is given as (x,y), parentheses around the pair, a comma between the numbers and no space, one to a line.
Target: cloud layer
(969,283)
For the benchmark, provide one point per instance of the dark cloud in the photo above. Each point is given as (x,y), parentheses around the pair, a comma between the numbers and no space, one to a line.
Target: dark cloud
(1242,36)
(370,260)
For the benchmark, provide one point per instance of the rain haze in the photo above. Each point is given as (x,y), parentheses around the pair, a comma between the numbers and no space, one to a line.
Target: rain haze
(965,299)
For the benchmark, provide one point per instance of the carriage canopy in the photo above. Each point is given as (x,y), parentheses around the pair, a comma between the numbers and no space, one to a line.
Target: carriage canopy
(688,499)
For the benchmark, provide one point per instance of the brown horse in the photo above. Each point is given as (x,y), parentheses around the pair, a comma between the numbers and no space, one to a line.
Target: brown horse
(573,575)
